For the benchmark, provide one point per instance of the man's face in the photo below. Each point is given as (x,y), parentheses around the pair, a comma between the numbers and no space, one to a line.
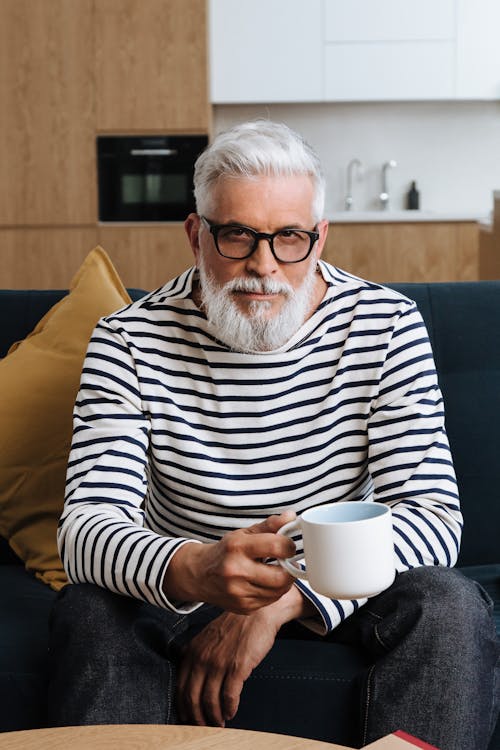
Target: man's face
(259,290)
(265,204)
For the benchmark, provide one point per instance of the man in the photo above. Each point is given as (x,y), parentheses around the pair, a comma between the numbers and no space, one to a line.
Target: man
(257,384)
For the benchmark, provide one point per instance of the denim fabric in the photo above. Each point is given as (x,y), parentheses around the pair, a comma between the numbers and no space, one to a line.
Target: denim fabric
(435,660)
(428,642)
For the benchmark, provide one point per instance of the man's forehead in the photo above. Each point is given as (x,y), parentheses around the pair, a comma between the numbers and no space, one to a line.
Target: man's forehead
(237,195)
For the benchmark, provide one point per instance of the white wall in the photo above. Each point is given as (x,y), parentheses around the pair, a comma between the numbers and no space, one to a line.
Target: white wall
(452,149)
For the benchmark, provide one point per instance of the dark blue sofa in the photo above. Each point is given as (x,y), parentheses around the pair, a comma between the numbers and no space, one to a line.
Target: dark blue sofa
(463,320)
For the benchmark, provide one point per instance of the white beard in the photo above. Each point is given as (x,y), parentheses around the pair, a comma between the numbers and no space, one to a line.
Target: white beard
(255,331)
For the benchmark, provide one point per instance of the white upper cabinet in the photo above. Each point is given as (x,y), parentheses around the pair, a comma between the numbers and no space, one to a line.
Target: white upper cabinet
(389,71)
(478,49)
(353,50)
(388,20)
(389,49)
(265,50)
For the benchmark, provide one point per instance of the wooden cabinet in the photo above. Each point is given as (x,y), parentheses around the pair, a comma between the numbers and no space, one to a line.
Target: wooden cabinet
(489,244)
(406,251)
(43,258)
(47,163)
(70,69)
(144,257)
(147,256)
(151,71)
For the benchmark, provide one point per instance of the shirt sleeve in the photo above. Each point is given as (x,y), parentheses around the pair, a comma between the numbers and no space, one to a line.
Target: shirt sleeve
(101,533)
(409,462)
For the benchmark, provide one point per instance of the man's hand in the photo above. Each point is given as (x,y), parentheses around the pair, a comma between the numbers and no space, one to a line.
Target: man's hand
(217,661)
(231,573)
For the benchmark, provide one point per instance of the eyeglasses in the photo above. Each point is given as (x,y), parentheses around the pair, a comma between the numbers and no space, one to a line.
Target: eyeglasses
(238,242)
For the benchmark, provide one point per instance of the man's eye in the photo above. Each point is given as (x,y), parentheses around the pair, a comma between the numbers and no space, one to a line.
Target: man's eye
(290,235)
(235,234)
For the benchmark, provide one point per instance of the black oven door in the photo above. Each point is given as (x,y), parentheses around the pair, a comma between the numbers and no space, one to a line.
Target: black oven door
(148,178)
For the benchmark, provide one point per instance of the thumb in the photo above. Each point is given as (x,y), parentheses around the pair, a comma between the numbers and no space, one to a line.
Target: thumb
(271,524)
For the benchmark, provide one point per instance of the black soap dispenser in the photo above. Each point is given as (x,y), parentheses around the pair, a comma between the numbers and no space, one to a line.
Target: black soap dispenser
(413,197)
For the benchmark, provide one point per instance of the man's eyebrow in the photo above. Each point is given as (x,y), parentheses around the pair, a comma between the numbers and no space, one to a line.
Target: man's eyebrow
(236,223)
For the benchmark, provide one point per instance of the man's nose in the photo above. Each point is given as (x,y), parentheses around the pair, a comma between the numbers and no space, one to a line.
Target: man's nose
(262,261)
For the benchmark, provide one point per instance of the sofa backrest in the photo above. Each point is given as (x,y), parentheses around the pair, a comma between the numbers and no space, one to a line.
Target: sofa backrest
(21,309)
(463,320)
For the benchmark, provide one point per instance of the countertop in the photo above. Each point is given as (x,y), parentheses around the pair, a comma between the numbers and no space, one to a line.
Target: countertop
(372,217)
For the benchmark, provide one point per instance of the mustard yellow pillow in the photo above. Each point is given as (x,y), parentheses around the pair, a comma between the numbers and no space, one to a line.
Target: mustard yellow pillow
(39,380)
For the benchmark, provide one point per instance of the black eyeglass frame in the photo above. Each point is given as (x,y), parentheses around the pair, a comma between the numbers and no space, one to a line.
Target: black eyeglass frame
(214,230)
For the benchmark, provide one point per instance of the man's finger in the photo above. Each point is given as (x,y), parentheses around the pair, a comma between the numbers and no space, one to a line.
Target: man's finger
(231,696)
(271,524)
(189,687)
(262,546)
(212,699)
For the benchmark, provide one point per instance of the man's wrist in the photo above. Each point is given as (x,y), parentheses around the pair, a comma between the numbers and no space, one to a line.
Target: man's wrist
(291,606)
(182,578)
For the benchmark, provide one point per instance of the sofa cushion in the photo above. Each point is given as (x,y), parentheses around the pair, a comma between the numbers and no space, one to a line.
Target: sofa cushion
(489,578)
(462,319)
(39,381)
(24,628)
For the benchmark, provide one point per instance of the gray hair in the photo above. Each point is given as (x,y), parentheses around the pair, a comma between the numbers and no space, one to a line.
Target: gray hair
(260,147)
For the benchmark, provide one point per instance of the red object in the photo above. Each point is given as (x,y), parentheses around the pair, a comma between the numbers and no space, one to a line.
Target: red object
(414,740)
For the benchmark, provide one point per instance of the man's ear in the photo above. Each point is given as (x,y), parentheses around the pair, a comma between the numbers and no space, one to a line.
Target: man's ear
(323,232)
(192,227)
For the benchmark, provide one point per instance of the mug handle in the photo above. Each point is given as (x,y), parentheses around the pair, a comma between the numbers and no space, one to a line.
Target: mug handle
(287,530)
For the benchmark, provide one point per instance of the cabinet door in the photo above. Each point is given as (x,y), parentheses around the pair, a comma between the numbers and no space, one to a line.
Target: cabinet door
(147,256)
(389,71)
(151,67)
(265,50)
(414,252)
(388,20)
(43,258)
(478,49)
(47,162)
(389,50)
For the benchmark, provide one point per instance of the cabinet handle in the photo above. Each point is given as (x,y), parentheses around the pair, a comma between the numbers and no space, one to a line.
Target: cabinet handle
(153,152)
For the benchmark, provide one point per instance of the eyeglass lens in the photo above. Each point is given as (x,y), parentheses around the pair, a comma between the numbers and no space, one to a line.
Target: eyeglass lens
(288,245)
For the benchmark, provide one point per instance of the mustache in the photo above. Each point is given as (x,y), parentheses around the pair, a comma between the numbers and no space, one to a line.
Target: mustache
(259,286)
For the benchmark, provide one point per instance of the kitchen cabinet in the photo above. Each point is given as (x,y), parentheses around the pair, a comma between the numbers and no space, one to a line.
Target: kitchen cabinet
(478,50)
(147,256)
(386,20)
(47,173)
(330,50)
(47,258)
(360,50)
(382,50)
(43,257)
(265,50)
(411,252)
(389,71)
(151,66)
(489,244)
(70,69)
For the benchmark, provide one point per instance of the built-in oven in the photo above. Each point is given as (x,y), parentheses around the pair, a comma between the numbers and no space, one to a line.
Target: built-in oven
(147,178)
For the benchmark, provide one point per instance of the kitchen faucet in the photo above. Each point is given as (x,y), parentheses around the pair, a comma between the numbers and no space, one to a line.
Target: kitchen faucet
(353,164)
(384,195)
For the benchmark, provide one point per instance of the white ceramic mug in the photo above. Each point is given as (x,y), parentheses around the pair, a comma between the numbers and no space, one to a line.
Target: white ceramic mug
(348,549)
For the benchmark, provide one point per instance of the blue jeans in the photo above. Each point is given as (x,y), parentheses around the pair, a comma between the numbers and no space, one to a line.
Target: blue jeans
(422,656)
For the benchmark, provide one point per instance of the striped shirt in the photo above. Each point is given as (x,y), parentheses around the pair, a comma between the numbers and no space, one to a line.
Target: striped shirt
(177,438)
